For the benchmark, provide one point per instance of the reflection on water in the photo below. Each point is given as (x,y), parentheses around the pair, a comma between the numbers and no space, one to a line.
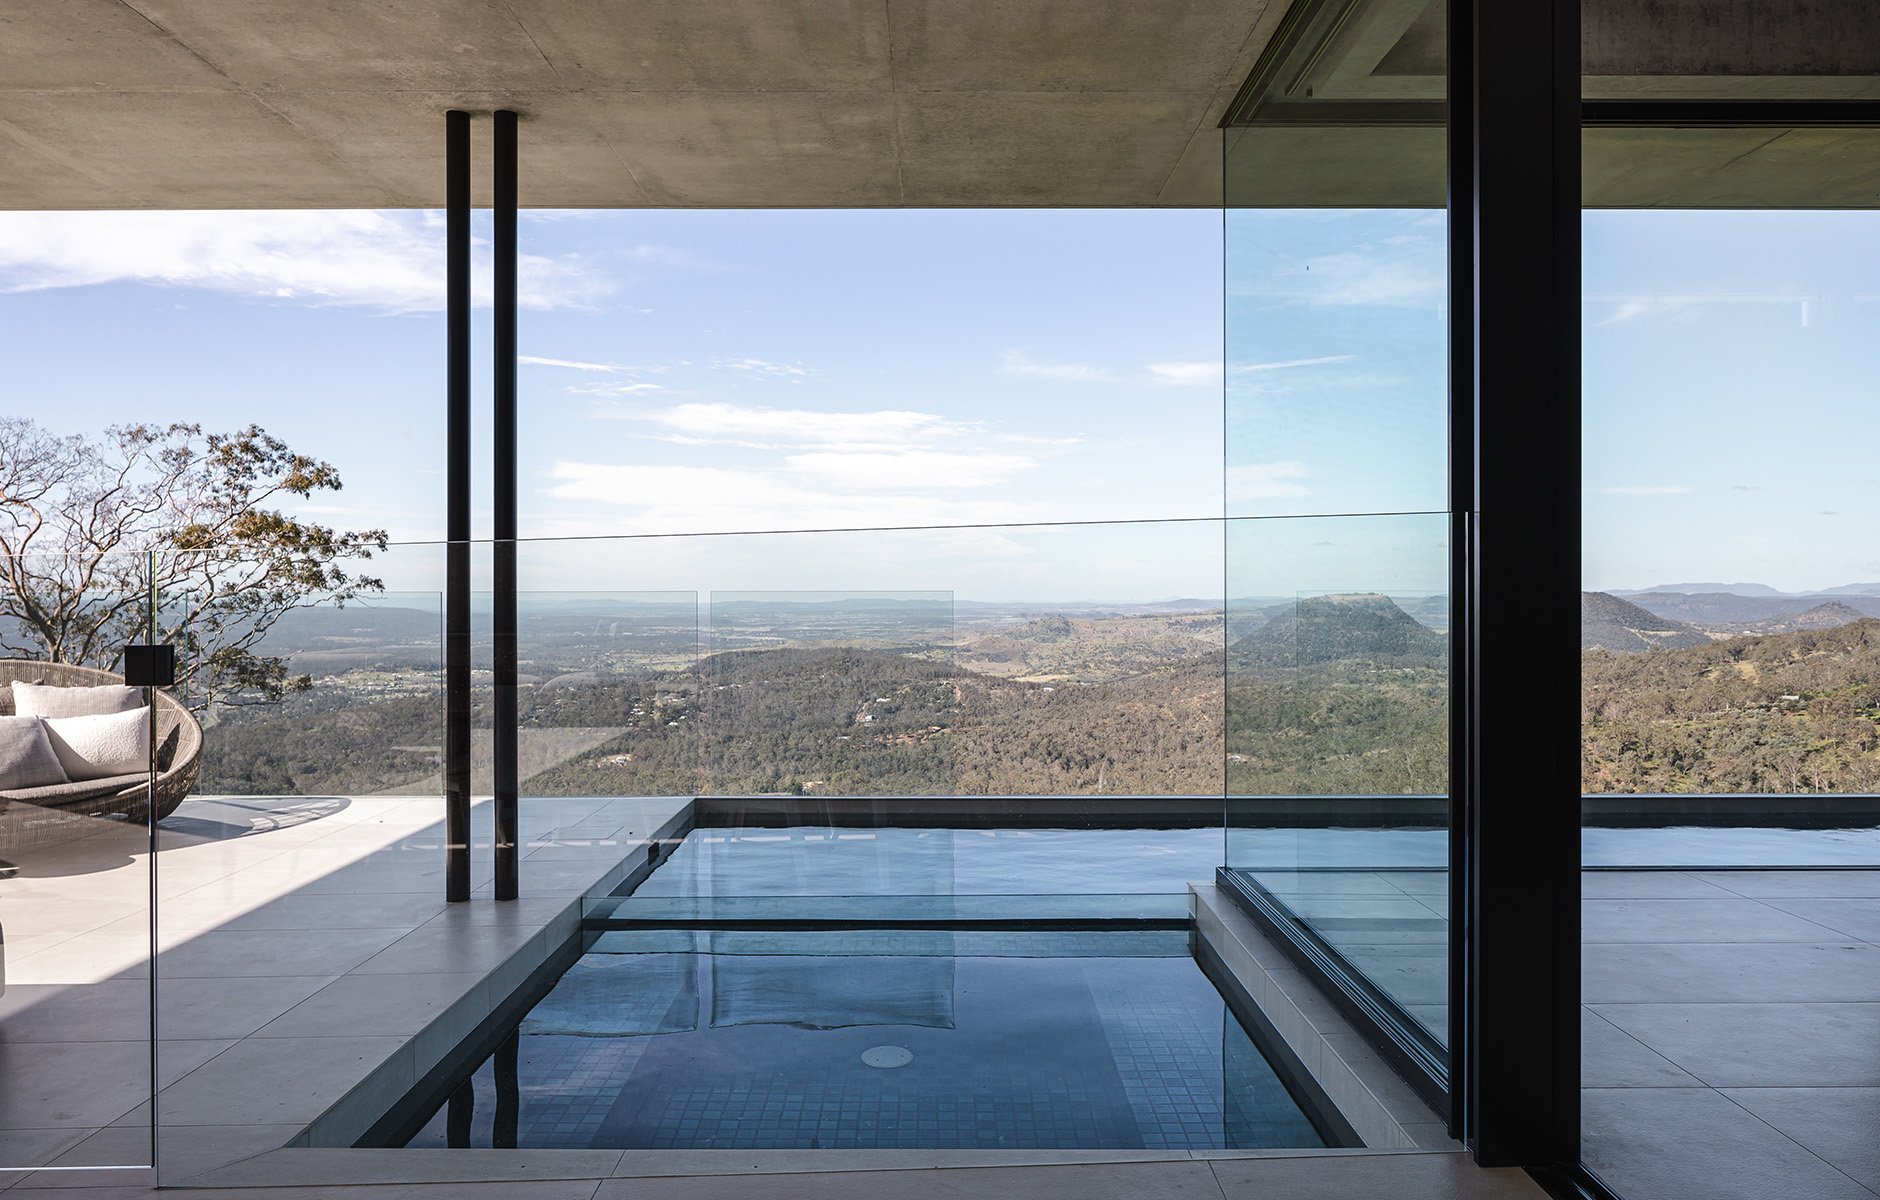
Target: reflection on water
(842,861)
(719,1049)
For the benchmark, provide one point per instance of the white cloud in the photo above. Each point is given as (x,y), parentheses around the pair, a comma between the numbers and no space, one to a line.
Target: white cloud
(1396,272)
(1186,374)
(733,424)
(758,366)
(569,363)
(1019,365)
(1646,489)
(910,468)
(1032,439)
(1391,279)
(811,470)
(636,387)
(1686,307)
(687,499)
(1288,364)
(1266,481)
(658,254)
(385,260)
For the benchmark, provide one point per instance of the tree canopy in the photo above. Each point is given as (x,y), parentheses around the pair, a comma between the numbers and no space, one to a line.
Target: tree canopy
(169,534)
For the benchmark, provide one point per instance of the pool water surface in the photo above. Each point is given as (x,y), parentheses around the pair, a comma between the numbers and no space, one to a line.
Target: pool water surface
(673,1031)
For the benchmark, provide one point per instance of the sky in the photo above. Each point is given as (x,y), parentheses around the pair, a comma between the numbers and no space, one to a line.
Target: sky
(1732,398)
(986,374)
(689,372)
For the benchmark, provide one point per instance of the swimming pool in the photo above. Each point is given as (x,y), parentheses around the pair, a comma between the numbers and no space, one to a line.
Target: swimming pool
(676,1032)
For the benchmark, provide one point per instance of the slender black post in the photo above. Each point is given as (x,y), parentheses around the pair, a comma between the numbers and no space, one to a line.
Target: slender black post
(1515,192)
(457,520)
(504,205)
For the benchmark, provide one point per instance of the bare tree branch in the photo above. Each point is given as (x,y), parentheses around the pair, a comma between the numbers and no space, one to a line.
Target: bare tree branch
(165,531)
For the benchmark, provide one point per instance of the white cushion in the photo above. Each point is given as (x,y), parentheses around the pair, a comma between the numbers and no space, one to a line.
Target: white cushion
(100,745)
(26,756)
(48,700)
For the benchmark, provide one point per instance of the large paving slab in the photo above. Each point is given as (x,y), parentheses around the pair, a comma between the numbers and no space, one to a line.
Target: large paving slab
(1732,1033)
(307,961)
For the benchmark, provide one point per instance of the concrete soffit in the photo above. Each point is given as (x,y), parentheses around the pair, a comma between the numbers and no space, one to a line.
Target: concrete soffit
(626,103)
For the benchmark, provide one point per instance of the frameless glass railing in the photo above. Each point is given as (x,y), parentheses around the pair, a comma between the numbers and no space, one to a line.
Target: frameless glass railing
(88,763)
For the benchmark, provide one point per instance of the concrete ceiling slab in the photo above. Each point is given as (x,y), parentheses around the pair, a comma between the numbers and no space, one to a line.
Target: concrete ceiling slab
(93,47)
(1104,148)
(291,45)
(1732,168)
(1040,45)
(214,150)
(1287,166)
(778,150)
(396,143)
(713,45)
(762,103)
(684,103)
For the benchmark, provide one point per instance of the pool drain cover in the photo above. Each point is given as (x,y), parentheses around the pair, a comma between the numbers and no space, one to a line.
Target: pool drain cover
(887,1057)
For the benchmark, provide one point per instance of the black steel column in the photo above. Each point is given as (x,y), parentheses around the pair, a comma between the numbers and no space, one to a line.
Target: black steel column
(457,505)
(504,206)
(1515,196)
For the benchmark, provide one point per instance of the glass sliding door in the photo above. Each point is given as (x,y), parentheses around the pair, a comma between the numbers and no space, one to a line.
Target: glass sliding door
(1337,504)
(1731,850)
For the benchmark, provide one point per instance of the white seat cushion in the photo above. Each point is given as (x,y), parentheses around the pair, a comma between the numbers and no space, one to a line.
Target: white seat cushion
(47,700)
(104,744)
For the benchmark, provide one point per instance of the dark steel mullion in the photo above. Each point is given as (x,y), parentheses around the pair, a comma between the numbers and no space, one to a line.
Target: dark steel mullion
(1462,452)
(457,507)
(506,784)
(1517,185)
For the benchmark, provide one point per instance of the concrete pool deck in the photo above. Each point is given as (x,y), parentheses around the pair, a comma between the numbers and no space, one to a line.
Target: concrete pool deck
(311,972)
(309,975)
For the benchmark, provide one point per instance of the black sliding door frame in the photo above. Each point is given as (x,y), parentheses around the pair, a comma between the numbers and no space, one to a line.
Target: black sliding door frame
(1514,196)
(1514,117)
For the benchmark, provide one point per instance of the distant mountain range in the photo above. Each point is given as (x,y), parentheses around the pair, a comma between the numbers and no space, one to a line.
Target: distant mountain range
(1724,614)
(1748,589)
(1676,620)
(1735,589)
(1609,623)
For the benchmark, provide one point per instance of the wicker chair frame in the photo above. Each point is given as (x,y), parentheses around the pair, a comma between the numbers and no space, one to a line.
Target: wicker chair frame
(37,817)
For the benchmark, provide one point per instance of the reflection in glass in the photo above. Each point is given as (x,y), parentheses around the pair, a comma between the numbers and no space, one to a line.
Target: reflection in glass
(609,699)
(1337,480)
(840,694)
(81,757)
(1337,741)
(1337,368)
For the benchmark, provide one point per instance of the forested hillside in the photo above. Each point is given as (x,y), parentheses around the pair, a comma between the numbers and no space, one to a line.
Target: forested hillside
(1787,712)
(820,722)
(1332,695)
(1338,695)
